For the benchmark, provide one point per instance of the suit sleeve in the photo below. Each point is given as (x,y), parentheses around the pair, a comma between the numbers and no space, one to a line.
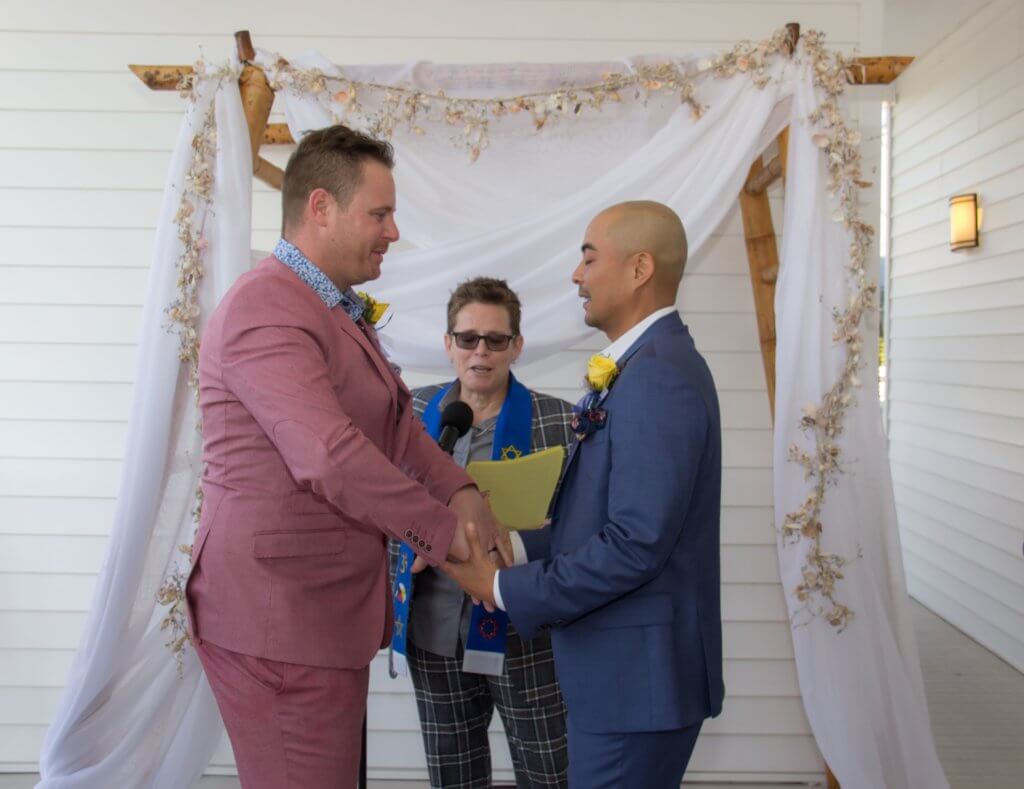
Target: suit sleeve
(279,373)
(424,461)
(536,543)
(658,433)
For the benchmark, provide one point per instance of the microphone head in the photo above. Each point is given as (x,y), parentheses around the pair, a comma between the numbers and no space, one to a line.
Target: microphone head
(457,415)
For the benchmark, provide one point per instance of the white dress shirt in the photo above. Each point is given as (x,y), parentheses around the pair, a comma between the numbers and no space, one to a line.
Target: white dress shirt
(613,351)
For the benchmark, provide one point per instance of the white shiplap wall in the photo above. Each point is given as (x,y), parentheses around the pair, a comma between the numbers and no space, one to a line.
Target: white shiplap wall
(83,152)
(956,413)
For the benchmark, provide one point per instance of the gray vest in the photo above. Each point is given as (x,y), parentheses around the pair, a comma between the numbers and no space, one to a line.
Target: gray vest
(439,613)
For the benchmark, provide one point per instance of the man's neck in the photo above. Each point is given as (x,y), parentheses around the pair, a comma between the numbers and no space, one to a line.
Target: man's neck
(317,256)
(632,320)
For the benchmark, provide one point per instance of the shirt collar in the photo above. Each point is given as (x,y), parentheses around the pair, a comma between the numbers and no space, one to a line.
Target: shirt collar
(621,345)
(308,272)
(453,394)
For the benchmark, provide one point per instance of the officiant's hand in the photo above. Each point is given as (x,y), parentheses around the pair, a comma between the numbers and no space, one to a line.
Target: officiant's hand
(476,575)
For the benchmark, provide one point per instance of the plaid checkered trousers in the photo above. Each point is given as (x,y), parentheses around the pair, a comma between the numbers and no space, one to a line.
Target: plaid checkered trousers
(456,708)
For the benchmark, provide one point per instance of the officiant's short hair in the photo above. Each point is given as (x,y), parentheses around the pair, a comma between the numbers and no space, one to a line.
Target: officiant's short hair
(330,158)
(485,290)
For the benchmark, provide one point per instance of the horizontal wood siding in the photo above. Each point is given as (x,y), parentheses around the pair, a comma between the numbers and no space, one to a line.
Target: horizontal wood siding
(956,352)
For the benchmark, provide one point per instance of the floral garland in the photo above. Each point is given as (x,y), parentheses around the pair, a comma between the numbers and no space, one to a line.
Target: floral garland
(183,312)
(825,420)
(471,118)
(397,105)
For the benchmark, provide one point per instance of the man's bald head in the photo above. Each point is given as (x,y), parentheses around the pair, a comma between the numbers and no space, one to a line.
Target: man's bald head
(647,226)
(633,259)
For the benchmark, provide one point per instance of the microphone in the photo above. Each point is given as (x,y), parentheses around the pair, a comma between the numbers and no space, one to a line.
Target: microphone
(456,419)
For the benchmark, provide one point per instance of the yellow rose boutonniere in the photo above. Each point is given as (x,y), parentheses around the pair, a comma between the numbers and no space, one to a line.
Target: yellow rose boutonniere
(373,310)
(601,372)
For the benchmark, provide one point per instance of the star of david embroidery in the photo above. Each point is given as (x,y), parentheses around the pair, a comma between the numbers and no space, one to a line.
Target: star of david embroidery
(510,453)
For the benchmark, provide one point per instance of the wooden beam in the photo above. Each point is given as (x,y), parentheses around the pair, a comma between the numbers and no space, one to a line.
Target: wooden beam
(161,77)
(765,177)
(270,174)
(862,71)
(277,134)
(877,71)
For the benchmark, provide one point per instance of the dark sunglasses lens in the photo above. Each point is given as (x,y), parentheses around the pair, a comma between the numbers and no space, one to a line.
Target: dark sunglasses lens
(468,340)
(497,342)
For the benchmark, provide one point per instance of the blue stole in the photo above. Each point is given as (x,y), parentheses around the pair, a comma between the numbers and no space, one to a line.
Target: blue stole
(485,642)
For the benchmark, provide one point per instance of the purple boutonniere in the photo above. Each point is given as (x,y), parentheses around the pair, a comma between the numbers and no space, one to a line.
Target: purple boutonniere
(588,418)
(586,422)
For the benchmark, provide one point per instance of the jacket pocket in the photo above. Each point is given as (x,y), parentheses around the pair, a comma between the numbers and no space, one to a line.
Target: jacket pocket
(286,544)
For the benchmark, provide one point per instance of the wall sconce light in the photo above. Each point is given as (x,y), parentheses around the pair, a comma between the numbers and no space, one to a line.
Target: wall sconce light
(963,221)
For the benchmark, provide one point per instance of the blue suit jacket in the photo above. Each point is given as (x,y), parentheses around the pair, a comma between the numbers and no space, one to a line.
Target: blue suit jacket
(627,575)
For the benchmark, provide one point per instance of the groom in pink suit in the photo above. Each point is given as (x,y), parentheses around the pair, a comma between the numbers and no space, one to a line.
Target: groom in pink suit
(314,458)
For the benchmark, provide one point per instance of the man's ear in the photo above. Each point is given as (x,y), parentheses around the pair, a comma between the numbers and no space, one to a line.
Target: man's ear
(643,268)
(319,204)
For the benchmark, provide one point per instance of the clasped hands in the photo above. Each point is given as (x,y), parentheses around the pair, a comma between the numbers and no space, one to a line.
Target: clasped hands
(481,547)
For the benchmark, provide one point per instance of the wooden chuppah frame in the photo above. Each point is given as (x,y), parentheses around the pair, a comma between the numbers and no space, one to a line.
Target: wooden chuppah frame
(758,229)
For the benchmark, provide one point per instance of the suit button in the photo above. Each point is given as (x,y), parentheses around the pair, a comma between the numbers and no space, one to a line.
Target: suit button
(421,543)
(429,548)
(408,532)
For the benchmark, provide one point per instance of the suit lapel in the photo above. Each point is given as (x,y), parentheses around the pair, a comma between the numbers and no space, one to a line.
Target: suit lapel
(372,349)
(664,325)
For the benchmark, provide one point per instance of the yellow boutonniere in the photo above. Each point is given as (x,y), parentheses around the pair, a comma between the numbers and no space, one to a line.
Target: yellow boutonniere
(373,310)
(601,372)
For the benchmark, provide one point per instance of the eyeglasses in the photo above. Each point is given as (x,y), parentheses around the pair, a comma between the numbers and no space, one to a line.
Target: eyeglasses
(469,340)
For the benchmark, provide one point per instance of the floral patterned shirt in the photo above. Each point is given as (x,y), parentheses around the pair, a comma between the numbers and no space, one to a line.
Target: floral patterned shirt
(307,271)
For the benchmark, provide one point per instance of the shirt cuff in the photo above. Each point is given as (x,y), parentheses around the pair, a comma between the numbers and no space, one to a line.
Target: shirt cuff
(518,549)
(497,592)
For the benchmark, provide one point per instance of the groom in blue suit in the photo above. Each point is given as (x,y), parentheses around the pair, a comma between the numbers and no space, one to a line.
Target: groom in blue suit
(626,577)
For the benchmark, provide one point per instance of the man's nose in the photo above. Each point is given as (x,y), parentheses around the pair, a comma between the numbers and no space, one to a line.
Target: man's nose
(391,230)
(577,274)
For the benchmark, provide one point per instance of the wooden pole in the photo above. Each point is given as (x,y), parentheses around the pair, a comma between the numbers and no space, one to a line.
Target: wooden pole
(792,36)
(763,259)
(257,99)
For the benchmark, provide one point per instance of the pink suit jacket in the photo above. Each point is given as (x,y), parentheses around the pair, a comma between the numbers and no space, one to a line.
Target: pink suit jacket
(314,458)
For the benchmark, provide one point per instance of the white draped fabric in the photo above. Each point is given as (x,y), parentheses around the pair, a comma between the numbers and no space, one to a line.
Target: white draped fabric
(127,719)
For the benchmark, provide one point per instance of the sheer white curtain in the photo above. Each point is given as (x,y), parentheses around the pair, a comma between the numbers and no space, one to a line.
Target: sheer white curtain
(862,689)
(126,719)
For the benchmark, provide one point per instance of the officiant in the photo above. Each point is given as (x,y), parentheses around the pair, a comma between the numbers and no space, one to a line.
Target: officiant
(451,647)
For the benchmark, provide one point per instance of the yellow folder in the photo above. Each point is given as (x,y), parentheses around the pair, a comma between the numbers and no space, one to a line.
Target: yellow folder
(519,491)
